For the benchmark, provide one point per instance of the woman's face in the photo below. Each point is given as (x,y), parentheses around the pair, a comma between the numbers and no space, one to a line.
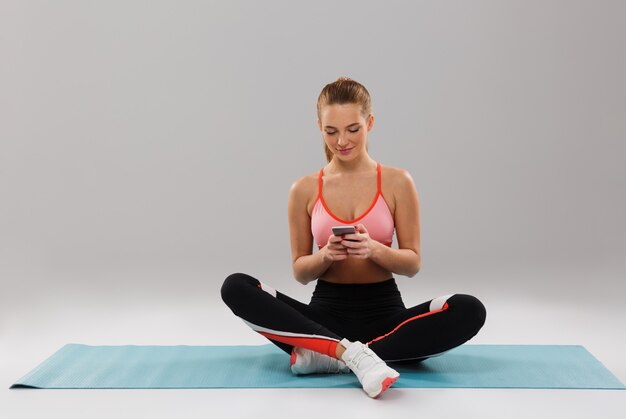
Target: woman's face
(344,128)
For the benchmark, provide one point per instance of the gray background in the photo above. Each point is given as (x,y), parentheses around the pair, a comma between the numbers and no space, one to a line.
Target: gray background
(147,149)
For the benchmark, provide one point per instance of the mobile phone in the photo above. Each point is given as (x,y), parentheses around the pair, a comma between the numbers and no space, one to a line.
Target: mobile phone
(341,230)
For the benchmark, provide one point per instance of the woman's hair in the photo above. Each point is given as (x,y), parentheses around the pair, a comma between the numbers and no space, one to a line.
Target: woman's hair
(342,91)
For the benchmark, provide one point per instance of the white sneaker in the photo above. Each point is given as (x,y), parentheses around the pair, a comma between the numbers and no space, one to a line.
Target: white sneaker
(306,361)
(373,373)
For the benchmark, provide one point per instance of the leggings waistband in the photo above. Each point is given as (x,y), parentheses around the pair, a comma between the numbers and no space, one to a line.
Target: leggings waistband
(364,288)
(384,293)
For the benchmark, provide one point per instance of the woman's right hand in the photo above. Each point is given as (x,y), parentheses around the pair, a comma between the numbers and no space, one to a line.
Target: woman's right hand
(334,250)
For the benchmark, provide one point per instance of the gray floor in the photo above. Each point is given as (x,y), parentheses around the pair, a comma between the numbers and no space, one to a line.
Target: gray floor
(30,332)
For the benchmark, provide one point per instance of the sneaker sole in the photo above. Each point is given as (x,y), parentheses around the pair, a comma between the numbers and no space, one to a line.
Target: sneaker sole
(387,382)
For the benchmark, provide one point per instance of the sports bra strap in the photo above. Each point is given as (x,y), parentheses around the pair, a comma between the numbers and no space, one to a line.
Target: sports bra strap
(379,176)
(319,182)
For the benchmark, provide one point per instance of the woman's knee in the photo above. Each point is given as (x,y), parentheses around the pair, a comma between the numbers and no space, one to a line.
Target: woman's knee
(474,311)
(234,285)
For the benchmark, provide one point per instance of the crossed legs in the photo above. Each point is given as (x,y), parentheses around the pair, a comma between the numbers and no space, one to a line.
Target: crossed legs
(418,332)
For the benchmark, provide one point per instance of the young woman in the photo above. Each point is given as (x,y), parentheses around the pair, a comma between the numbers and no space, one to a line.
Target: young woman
(356,319)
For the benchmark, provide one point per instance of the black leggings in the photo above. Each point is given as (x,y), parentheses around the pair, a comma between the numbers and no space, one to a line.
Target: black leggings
(370,313)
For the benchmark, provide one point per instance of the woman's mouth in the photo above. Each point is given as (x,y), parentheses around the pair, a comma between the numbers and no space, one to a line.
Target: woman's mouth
(345,150)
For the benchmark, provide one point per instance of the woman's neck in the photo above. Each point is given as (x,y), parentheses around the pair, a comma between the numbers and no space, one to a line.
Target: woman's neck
(357,165)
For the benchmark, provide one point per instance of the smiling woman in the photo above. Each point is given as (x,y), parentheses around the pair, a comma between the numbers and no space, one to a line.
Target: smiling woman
(356,298)
(344,91)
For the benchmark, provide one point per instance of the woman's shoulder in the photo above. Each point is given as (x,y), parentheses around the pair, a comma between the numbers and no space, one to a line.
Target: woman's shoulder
(306,182)
(398,184)
(305,186)
(395,175)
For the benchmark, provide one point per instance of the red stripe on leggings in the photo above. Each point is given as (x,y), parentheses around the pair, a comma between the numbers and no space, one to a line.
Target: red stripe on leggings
(445,307)
(328,347)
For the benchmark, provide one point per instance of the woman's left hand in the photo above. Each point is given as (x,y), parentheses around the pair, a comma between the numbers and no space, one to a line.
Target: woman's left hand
(359,245)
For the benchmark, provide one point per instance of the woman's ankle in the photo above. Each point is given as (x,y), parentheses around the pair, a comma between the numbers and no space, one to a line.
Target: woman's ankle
(340,350)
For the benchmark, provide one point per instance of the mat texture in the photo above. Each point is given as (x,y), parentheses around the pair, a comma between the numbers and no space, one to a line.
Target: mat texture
(182,366)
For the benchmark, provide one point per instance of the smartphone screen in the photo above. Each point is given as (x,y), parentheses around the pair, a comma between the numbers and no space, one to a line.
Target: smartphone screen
(341,230)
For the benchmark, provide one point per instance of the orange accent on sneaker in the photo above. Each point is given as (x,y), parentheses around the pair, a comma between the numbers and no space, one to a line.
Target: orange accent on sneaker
(387,382)
(292,360)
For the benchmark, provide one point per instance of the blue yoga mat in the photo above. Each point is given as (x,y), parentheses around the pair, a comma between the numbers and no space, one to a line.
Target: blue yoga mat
(181,366)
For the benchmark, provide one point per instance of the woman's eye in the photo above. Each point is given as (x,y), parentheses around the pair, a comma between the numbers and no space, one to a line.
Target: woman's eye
(351,130)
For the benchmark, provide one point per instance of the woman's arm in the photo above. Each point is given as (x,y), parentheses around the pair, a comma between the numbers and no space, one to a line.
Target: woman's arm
(306,267)
(406,260)
(400,261)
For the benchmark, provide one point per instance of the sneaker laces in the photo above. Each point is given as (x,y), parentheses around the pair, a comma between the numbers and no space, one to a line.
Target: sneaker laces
(361,355)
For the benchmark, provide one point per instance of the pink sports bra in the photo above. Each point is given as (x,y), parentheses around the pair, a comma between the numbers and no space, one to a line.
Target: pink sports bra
(377,219)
